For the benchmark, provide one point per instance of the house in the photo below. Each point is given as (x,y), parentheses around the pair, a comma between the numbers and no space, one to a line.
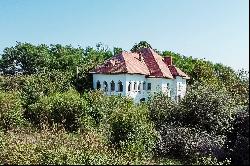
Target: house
(139,75)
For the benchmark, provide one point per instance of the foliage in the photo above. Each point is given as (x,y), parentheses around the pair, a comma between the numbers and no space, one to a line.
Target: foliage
(54,147)
(140,45)
(126,126)
(187,144)
(11,112)
(66,109)
(81,126)
(161,108)
(237,145)
(208,109)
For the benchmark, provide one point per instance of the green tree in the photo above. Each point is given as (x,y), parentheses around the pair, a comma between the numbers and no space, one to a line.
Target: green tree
(140,45)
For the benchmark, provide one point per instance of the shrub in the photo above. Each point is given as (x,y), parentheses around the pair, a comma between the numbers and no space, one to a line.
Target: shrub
(162,109)
(207,109)
(131,131)
(101,106)
(53,147)
(126,126)
(66,109)
(188,144)
(11,113)
(237,145)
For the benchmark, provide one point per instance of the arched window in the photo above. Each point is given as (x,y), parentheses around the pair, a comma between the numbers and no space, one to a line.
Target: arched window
(134,85)
(112,86)
(120,86)
(139,86)
(129,86)
(105,86)
(144,85)
(98,85)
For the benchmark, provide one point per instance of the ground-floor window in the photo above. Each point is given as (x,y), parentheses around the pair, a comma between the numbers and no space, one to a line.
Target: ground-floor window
(98,85)
(112,86)
(149,86)
(129,86)
(120,86)
(105,86)
(142,100)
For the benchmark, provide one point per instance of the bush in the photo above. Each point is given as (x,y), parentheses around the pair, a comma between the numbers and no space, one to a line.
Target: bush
(53,147)
(66,109)
(207,109)
(11,112)
(188,144)
(237,145)
(162,109)
(131,131)
(126,126)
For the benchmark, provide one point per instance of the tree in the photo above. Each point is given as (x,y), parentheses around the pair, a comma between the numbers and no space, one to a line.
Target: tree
(140,45)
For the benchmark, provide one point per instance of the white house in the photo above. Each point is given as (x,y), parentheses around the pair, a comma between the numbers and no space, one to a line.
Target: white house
(139,75)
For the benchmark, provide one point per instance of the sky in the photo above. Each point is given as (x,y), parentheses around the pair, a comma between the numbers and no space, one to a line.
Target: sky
(217,30)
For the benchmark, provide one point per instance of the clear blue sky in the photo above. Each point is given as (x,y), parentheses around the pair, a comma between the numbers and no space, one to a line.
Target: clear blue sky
(217,30)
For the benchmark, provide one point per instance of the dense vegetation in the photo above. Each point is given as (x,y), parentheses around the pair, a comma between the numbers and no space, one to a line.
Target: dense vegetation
(50,115)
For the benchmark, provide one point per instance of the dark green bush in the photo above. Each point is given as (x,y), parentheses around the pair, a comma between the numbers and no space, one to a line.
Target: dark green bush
(11,112)
(237,145)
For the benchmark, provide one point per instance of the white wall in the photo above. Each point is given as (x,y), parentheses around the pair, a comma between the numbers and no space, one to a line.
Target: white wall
(157,85)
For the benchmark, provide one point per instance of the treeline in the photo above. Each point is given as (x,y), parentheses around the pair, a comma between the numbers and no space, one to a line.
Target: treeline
(50,115)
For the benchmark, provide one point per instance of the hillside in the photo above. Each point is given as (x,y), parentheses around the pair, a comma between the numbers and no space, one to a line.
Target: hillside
(49,113)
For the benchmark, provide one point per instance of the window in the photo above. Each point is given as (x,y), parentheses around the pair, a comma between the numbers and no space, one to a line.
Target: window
(134,85)
(179,98)
(112,86)
(142,100)
(144,85)
(179,86)
(149,86)
(139,86)
(105,85)
(120,86)
(98,85)
(129,86)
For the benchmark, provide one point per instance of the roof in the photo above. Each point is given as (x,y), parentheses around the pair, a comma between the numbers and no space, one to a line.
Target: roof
(146,61)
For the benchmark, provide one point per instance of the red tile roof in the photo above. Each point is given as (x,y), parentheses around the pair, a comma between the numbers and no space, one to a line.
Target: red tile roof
(146,61)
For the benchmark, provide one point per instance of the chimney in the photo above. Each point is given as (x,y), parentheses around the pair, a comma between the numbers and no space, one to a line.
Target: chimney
(168,60)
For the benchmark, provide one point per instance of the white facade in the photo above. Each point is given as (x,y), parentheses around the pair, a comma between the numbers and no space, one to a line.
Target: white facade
(138,87)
